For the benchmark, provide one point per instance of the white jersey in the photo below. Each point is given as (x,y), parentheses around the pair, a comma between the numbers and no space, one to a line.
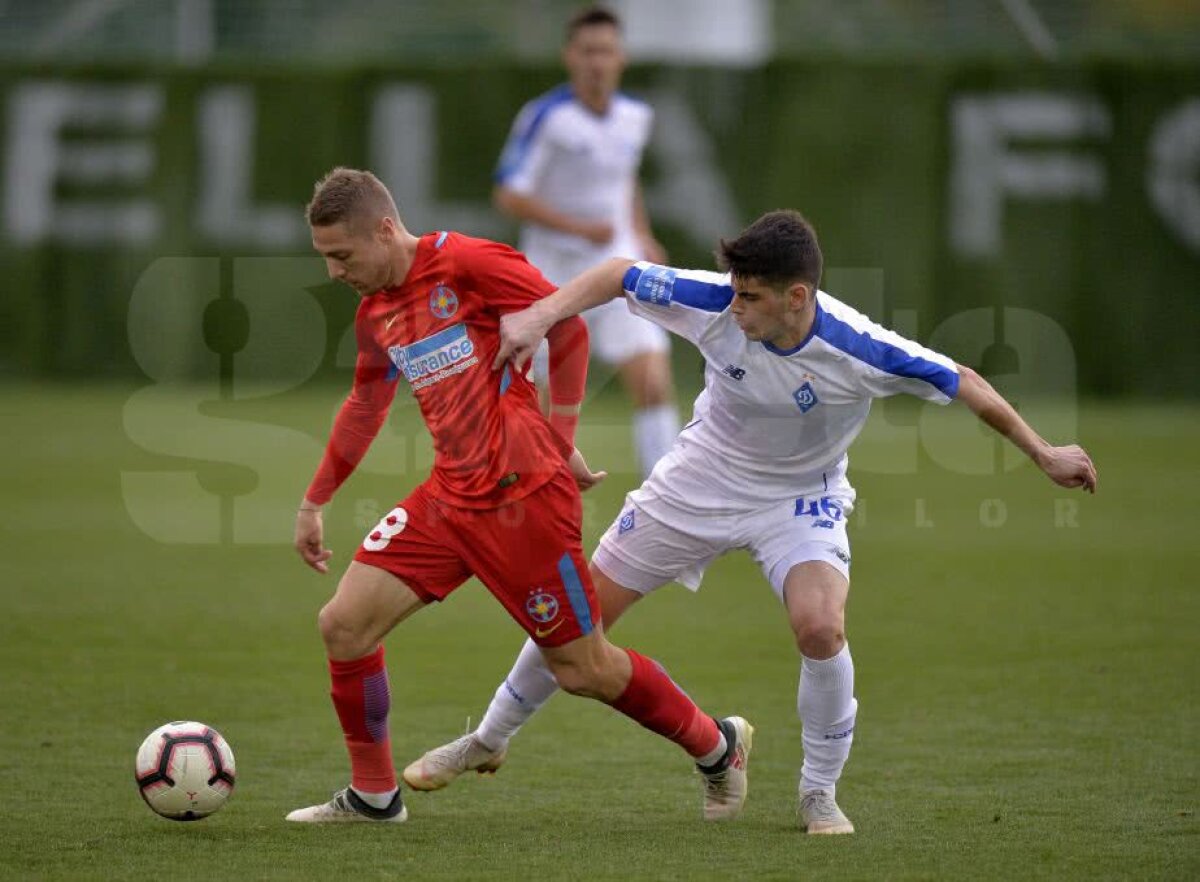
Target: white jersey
(772,425)
(582,164)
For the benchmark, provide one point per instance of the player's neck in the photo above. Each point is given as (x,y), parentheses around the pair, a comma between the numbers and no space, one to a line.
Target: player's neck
(403,256)
(597,102)
(797,327)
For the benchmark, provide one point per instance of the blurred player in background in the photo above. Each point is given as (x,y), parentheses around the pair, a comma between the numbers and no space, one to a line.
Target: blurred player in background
(789,379)
(501,504)
(569,175)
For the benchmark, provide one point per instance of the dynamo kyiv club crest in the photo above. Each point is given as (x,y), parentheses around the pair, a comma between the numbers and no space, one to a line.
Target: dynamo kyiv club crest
(806,398)
(626,523)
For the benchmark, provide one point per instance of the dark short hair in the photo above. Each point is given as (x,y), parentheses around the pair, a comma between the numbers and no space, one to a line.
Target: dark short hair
(350,196)
(591,15)
(779,248)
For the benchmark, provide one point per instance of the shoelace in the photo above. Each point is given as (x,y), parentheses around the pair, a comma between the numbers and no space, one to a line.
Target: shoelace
(715,784)
(456,750)
(340,802)
(820,804)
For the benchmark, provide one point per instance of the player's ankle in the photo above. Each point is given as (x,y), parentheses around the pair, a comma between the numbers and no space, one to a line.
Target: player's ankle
(376,800)
(490,740)
(718,757)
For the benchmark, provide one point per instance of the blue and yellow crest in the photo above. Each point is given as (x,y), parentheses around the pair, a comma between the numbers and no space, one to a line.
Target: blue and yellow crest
(443,302)
(542,607)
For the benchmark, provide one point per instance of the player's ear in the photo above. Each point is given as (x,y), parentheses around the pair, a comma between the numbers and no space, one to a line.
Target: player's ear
(385,230)
(799,294)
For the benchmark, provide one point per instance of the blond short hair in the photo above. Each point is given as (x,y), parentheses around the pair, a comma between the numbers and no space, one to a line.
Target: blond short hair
(350,196)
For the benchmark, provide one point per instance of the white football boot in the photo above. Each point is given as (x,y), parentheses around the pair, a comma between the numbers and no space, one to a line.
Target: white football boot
(820,815)
(725,784)
(440,766)
(348,807)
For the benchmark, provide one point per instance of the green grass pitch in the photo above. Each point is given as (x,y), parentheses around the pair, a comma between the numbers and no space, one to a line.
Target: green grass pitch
(1029,690)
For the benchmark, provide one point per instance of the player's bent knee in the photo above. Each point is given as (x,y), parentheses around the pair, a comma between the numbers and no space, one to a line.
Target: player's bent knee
(655,390)
(647,377)
(341,638)
(585,680)
(573,679)
(656,397)
(820,638)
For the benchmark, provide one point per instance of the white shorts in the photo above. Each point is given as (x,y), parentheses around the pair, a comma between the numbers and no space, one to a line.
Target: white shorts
(615,335)
(643,553)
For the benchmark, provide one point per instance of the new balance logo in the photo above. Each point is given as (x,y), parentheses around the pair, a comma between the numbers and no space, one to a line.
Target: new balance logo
(734,371)
(517,696)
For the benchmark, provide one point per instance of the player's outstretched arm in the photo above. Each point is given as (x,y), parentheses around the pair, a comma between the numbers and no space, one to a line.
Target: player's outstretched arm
(522,332)
(1068,466)
(358,421)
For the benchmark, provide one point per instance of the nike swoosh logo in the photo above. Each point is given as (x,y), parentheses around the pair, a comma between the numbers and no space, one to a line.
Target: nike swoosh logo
(538,632)
(391,321)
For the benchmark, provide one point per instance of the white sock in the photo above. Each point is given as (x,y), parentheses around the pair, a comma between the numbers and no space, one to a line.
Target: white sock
(654,431)
(714,756)
(377,800)
(526,688)
(827,709)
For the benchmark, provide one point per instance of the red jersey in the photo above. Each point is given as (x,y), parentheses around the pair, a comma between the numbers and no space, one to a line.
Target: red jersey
(439,332)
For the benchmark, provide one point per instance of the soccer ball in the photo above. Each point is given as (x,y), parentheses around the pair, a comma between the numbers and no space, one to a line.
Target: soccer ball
(185,771)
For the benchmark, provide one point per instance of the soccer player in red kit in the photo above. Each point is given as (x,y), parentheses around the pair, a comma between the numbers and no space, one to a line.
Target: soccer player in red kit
(501,504)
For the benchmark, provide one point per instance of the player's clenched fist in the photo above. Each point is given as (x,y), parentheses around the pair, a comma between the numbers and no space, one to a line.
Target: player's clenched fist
(521,333)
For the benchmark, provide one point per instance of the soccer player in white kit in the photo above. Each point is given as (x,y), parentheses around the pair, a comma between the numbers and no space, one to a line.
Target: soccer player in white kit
(789,379)
(569,174)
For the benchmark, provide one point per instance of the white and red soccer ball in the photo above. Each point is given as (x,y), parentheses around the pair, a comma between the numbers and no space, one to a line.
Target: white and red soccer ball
(185,770)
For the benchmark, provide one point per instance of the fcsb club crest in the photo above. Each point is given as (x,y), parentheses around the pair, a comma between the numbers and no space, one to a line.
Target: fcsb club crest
(806,398)
(443,302)
(542,607)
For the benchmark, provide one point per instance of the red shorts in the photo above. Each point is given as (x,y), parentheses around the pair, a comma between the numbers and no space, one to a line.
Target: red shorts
(528,553)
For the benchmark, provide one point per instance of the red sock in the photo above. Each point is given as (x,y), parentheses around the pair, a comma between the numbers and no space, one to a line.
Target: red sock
(361,698)
(653,700)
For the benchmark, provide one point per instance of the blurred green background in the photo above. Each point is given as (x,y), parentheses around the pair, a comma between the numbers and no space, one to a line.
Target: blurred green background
(1069,192)
(1016,183)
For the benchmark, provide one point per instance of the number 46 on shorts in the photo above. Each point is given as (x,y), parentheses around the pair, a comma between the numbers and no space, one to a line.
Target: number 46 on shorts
(825,508)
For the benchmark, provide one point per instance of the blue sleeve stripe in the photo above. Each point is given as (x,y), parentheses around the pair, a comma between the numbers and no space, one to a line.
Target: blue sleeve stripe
(506,379)
(885,356)
(575,593)
(702,295)
(519,142)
